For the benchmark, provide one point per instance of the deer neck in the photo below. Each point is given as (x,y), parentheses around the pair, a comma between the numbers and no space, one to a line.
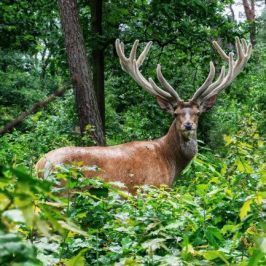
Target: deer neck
(177,149)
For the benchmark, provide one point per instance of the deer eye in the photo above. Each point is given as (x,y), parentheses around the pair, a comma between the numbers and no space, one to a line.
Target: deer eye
(197,113)
(177,113)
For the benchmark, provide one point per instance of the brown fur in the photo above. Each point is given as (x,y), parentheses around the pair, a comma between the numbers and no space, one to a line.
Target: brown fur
(135,163)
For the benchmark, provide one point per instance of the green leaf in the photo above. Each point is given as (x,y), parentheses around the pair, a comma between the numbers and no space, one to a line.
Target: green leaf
(214,254)
(229,228)
(214,236)
(243,166)
(255,258)
(228,140)
(77,260)
(72,227)
(245,209)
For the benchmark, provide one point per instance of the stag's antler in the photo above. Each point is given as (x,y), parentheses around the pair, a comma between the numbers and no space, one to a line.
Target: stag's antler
(206,91)
(210,88)
(131,66)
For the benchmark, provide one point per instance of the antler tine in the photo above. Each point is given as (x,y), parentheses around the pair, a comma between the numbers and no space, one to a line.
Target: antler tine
(139,78)
(165,84)
(206,83)
(249,51)
(127,64)
(133,51)
(247,48)
(244,44)
(220,51)
(239,50)
(120,52)
(131,66)
(122,47)
(215,84)
(235,67)
(158,89)
(143,54)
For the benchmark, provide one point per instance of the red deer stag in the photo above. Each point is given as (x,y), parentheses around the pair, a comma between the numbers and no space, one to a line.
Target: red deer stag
(159,161)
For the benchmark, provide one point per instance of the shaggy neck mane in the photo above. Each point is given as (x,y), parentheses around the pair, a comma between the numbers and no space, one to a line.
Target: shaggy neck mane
(178,150)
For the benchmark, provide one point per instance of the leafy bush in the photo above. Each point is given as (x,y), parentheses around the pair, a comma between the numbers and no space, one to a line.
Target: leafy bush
(213,216)
(46,130)
(21,84)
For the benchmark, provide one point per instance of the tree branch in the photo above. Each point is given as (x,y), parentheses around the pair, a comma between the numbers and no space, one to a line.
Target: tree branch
(37,106)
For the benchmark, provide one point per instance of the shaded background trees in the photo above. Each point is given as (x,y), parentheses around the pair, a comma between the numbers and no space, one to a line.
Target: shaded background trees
(33,64)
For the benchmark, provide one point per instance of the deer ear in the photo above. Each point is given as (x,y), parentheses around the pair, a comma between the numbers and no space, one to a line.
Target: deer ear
(165,105)
(208,104)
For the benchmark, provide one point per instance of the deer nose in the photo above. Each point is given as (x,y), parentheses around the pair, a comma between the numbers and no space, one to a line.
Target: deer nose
(188,126)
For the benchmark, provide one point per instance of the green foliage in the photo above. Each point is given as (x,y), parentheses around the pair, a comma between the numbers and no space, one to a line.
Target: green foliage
(213,216)
(14,250)
(45,131)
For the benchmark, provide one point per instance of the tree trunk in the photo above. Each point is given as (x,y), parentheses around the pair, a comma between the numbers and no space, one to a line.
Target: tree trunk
(98,55)
(80,72)
(232,12)
(250,14)
(34,109)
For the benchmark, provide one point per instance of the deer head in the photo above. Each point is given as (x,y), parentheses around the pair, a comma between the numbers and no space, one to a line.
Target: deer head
(186,112)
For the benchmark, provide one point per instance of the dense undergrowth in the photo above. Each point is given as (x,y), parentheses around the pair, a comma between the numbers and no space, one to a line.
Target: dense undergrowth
(213,216)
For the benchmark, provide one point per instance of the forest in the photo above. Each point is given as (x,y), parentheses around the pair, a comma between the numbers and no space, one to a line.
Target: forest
(62,84)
